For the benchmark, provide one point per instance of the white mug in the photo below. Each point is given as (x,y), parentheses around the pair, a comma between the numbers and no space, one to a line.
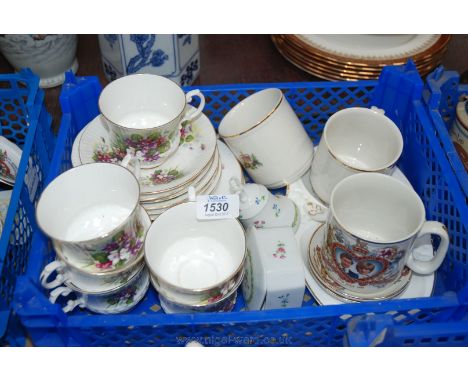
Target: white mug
(144,114)
(354,140)
(373,222)
(267,138)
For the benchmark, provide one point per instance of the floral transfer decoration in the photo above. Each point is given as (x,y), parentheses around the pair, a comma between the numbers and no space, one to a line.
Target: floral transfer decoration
(125,297)
(120,249)
(284,300)
(259,199)
(276,209)
(295,222)
(280,252)
(189,135)
(163,176)
(7,167)
(250,162)
(259,223)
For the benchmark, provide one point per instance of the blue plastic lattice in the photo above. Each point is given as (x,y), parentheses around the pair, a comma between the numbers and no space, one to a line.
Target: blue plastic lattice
(25,121)
(398,91)
(442,93)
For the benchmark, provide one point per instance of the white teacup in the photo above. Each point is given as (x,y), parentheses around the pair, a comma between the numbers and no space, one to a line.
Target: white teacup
(373,222)
(117,300)
(195,262)
(144,113)
(354,140)
(92,214)
(267,138)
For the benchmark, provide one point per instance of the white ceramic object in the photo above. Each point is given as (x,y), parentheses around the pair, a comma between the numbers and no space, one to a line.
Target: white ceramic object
(10,158)
(47,55)
(92,282)
(215,303)
(274,270)
(418,286)
(144,113)
(116,301)
(194,257)
(213,174)
(261,209)
(173,56)
(267,138)
(231,168)
(373,222)
(354,140)
(91,213)
(371,46)
(189,163)
(459,132)
(5,197)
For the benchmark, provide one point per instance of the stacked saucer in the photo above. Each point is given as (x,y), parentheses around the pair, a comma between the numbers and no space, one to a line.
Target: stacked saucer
(196,162)
(359,57)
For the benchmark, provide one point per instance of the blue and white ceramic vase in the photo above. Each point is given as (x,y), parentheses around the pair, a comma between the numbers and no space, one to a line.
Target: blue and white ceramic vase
(173,56)
(47,55)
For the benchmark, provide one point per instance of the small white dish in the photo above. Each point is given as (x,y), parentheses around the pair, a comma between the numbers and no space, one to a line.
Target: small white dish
(418,286)
(197,148)
(10,158)
(231,168)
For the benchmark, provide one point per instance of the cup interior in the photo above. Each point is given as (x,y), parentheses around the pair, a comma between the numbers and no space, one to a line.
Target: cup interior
(192,254)
(87,202)
(363,139)
(250,112)
(377,208)
(142,101)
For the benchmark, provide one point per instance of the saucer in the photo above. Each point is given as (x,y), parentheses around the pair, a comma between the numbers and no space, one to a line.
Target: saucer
(418,285)
(208,187)
(10,158)
(5,197)
(197,184)
(198,144)
(231,168)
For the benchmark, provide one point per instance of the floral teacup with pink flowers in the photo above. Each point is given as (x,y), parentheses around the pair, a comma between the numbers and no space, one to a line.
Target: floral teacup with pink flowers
(145,115)
(93,216)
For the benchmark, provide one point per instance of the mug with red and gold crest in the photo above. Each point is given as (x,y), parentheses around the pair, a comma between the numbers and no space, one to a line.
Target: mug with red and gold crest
(368,243)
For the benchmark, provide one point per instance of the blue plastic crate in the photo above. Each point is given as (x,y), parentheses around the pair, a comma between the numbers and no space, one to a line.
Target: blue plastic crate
(442,93)
(25,121)
(399,92)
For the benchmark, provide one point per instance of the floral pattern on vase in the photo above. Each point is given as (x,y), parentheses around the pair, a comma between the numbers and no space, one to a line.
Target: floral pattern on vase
(122,247)
(250,162)
(187,77)
(146,56)
(280,252)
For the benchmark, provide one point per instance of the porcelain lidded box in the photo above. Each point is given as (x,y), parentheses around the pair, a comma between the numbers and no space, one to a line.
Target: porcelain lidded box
(175,56)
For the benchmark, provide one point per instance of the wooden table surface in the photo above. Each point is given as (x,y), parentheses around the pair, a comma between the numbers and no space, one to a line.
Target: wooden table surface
(229,59)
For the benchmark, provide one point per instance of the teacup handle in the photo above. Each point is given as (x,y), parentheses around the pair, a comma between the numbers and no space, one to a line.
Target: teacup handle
(71,304)
(131,157)
(54,266)
(430,266)
(195,113)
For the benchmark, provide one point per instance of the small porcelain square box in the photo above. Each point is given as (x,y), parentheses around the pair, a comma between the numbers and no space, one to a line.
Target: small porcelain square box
(175,56)
(274,277)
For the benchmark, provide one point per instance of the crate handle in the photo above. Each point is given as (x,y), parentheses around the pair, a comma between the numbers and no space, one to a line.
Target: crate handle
(54,266)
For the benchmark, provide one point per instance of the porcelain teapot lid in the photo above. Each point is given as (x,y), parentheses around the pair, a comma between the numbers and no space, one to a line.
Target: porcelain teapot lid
(252,197)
